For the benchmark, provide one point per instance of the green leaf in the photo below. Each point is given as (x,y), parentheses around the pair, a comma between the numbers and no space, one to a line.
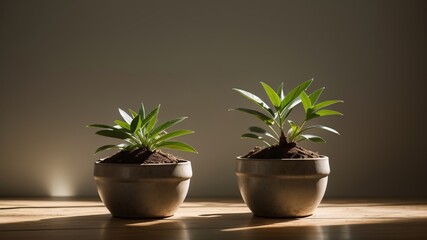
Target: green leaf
(132,141)
(125,116)
(251,135)
(288,109)
(122,124)
(285,113)
(322,113)
(106,147)
(254,136)
(177,146)
(255,99)
(294,93)
(280,92)
(262,131)
(101,126)
(142,111)
(322,127)
(131,132)
(172,134)
(151,124)
(274,98)
(312,138)
(150,116)
(116,133)
(294,103)
(306,102)
(166,125)
(325,104)
(132,113)
(130,148)
(136,124)
(291,132)
(261,116)
(314,96)
(257,130)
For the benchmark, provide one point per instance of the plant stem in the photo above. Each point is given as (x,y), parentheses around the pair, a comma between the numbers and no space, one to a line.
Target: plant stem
(274,131)
(302,124)
(283,141)
(298,130)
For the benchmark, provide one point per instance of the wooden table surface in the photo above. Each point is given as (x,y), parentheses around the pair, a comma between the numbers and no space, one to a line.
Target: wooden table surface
(212,219)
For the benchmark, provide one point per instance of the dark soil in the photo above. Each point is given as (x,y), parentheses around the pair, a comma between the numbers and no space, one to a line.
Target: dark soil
(141,156)
(279,151)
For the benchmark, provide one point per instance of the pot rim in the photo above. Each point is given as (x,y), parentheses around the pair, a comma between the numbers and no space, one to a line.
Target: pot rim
(322,157)
(180,162)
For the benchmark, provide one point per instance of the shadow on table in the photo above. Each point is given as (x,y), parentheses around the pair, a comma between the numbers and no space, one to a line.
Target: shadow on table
(210,226)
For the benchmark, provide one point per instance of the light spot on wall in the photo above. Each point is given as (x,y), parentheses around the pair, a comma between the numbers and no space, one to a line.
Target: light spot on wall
(59,183)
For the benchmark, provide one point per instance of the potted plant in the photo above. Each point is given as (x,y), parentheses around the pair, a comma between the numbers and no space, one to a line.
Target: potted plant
(141,181)
(284,179)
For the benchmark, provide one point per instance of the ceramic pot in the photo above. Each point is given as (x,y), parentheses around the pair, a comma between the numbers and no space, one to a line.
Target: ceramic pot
(282,187)
(142,191)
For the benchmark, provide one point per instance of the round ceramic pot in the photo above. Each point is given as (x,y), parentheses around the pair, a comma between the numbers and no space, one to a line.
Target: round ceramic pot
(142,191)
(282,187)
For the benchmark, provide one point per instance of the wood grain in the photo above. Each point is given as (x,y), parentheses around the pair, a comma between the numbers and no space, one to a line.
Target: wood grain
(212,219)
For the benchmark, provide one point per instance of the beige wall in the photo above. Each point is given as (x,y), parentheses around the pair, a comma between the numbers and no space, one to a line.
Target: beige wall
(65,64)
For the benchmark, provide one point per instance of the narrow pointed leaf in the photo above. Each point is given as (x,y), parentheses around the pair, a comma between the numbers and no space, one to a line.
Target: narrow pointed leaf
(272,95)
(257,130)
(285,112)
(323,113)
(176,146)
(125,116)
(294,93)
(262,131)
(291,133)
(256,100)
(251,135)
(142,111)
(130,148)
(322,127)
(306,102)
(150,116)
(122,124)
(151,124)
(291,123)
(288,109)
(257,114)
(136,124)
(132,113)
(101,126)
(166,125)
(314,96)
(173,134)
(312,138)
(327,112)
(294,103)
(105,147)
(325,104)
(113,134)
(254,136)
(280,92)
(132,141)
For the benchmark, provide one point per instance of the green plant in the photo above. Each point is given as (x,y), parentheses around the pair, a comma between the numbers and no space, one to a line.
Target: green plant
(139,131)
(276,117)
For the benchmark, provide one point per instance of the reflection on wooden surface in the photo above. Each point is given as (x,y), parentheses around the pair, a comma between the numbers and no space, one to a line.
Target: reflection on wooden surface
(213,219)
